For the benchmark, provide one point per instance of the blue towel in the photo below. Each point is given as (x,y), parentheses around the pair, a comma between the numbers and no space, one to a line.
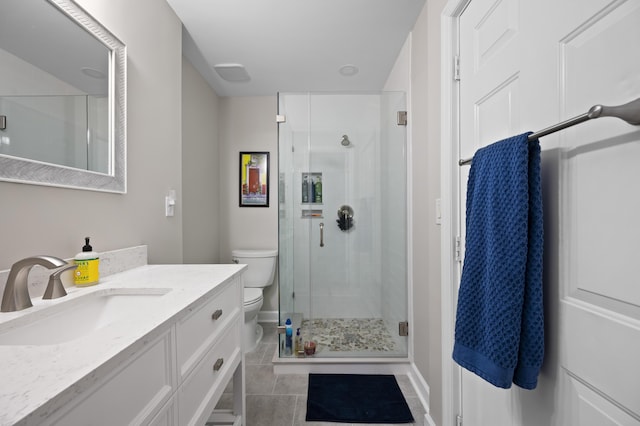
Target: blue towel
(499,333)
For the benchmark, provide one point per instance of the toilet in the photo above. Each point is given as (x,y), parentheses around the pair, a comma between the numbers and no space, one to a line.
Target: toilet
(261,269)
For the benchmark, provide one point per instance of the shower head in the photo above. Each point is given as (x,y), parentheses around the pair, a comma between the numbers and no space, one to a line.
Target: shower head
(345,140)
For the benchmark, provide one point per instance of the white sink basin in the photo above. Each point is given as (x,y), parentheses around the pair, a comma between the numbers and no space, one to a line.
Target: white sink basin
(68,320)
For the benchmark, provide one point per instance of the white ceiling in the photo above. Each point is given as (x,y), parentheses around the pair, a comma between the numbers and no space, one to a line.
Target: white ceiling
(296,45)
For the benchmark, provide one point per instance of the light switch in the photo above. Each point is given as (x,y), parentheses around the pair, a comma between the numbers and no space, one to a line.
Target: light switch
(438,212)
(170,203)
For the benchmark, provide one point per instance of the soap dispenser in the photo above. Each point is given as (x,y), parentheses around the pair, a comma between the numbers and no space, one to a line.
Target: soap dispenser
(88,261)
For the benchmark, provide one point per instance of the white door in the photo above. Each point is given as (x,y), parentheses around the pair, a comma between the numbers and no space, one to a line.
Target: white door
(525,65)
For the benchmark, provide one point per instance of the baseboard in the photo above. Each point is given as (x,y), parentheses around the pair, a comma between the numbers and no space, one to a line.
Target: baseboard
(422,390)
(268,316)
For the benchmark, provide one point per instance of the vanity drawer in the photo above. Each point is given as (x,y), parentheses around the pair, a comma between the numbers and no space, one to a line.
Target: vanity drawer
(197,331)
(202,388)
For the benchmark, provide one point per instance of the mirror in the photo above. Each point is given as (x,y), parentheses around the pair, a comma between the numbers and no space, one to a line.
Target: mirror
(62,97)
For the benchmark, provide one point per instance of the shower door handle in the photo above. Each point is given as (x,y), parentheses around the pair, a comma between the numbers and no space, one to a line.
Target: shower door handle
(321,234)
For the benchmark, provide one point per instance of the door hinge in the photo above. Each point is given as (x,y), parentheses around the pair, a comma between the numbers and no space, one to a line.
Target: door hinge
(403,328)
(402,118)
(281,118)
(457,251)
(458,420)
(293,295)
(456,68)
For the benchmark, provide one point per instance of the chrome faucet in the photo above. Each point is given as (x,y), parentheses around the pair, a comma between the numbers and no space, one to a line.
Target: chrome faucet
(16,291)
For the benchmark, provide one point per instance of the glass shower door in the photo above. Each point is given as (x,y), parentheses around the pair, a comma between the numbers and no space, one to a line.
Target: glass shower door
(343,262)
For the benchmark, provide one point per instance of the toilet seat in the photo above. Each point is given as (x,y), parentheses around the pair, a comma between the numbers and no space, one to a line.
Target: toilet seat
(252,296)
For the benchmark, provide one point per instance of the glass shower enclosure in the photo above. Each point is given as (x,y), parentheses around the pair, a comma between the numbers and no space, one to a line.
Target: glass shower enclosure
(343,224)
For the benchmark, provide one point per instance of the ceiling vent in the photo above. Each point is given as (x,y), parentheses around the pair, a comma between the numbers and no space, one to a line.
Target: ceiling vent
(232,72)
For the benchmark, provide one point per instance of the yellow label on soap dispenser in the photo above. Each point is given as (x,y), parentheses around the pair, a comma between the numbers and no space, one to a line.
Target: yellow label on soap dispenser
(87,272)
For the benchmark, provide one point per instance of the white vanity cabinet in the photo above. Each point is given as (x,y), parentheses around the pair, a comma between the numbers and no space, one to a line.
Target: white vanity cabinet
(173,376)
(131,394)
(209,348)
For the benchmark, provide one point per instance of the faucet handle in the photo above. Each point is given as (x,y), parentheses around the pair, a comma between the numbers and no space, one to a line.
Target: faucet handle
(55,288)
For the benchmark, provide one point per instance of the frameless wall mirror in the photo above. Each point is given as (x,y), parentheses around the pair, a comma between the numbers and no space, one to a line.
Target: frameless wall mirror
(62,97)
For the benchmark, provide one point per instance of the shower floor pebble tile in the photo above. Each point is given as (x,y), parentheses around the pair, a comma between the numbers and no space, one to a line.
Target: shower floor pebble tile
(281,399)
(349,334)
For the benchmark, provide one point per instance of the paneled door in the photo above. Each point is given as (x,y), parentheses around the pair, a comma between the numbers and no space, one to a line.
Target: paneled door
(525,65)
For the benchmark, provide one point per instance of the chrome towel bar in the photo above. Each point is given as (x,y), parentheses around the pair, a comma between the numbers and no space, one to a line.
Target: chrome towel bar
(629,112)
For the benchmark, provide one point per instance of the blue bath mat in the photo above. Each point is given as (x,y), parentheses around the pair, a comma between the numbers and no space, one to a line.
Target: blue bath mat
(356,398)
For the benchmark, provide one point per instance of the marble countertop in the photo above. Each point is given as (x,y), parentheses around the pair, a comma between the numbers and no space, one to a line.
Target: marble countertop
(39,379)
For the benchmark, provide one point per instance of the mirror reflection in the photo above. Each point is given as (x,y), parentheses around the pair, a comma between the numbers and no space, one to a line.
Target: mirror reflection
(62,78)
(53,88)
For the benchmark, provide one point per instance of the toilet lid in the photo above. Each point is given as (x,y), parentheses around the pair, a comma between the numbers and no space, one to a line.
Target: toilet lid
(252,295)
(254,253)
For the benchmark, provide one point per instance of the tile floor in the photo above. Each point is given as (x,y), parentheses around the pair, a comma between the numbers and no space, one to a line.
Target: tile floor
(281,399)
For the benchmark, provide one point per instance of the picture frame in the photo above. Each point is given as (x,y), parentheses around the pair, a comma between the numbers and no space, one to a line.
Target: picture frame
(254,179)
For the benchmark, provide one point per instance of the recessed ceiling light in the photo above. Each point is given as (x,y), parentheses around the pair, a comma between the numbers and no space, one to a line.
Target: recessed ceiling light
(348,70)
(232,72)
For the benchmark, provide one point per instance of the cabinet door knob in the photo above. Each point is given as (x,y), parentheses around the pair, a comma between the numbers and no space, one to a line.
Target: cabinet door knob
(218,365)
(217,314)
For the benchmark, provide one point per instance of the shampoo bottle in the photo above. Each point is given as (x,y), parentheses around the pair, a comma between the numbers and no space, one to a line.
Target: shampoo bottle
(288,337)
(305,189)
(88,261)
(318,190)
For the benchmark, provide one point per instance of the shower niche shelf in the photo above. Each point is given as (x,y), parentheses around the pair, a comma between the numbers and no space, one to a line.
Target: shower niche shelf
(312,214)
(311,188)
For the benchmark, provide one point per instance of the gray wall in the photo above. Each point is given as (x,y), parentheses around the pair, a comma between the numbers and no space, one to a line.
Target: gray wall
(38,219)
(200,170)
(425,82)
(248,124)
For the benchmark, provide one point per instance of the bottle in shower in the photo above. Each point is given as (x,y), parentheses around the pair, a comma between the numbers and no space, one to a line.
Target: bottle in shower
(297,347)
(288,337)
(305,189)
(318,190)
(312,190)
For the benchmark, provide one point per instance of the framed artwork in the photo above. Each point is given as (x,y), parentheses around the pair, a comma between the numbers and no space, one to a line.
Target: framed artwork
(254,179)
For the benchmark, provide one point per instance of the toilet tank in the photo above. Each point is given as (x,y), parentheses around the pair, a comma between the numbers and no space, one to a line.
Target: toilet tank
(261,266)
